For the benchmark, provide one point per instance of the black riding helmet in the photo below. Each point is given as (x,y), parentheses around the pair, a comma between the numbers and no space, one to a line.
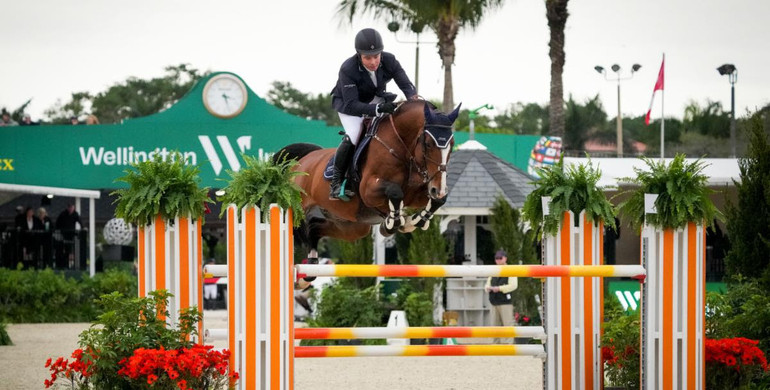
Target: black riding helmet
(369,42)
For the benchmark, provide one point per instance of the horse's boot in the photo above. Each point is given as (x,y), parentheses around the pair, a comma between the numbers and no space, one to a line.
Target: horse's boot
(336,188)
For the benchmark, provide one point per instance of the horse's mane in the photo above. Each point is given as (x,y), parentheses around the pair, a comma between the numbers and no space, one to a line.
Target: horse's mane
(410,105)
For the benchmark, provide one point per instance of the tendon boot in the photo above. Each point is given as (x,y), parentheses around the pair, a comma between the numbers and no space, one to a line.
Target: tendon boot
(337,188)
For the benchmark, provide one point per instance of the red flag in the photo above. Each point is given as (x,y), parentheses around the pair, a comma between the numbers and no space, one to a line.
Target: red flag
(658,86)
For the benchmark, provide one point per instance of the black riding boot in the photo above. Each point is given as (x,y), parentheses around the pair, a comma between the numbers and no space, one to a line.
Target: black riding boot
(341,159)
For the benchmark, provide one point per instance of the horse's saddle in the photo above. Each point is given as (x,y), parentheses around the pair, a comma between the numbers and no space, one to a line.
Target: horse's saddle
(369,127)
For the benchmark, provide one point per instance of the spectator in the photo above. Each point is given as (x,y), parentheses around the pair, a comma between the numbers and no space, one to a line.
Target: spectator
(210,294)
(26,120)
(499,289)
(19,219)
(6,120)
(45,237)
(68,223)
(69,219)
(29,229)
(91,119)
(74,120)
(42,215)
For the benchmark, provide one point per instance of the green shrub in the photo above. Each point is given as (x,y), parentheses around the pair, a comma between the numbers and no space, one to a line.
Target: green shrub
(419,309)
(33,296)
(742,311)
(342,304)
(4,338)
(748,221)
(620,346)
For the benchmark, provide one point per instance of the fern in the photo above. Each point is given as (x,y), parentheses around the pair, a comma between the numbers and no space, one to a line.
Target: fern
(261,183)
(169,188)
(683,195)
(571,190)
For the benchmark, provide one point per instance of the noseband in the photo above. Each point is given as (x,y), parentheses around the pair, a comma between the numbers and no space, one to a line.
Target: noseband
(409,160)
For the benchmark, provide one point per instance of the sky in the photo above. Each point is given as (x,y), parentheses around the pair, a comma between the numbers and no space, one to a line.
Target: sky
(52,48)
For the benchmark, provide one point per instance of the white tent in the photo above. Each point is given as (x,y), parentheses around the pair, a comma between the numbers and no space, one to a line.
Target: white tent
(721,171)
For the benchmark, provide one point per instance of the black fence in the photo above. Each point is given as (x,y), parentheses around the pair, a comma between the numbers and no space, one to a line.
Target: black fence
(38,249)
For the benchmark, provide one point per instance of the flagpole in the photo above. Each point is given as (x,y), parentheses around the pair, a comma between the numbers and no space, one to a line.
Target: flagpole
(662,119)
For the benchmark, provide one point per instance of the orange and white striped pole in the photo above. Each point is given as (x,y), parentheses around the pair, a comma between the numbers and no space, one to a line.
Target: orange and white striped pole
(573,306)
(673,305)
(260,290)
(170,259)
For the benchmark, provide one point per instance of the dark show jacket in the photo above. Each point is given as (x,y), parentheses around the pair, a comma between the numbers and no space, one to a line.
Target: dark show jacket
(354,89)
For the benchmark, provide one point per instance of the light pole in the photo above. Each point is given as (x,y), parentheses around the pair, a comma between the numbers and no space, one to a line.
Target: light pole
(616,68)
(732,73)
(416,28)
(472,116)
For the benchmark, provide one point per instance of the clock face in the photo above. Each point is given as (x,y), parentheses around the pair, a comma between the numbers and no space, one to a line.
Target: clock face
(224,96)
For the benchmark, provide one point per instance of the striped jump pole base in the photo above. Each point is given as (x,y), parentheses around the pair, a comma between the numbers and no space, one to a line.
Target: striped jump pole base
(420,350)
(442,271)
(536,332)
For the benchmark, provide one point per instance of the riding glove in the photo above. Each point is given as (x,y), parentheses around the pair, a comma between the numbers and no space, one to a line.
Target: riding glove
(386,108)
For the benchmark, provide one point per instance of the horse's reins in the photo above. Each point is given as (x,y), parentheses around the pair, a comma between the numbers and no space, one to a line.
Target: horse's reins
(410,160)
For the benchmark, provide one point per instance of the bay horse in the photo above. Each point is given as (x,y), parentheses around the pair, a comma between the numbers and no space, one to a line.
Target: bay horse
(403,167)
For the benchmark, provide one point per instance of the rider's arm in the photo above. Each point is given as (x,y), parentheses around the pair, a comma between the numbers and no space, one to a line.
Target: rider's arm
(351,105)
(399,75)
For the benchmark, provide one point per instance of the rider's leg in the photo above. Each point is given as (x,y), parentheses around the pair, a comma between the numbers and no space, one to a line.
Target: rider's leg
(352,126)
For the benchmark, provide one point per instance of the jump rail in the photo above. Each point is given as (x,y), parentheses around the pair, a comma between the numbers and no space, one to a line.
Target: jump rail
(419,332)
(421,350)
(441,271)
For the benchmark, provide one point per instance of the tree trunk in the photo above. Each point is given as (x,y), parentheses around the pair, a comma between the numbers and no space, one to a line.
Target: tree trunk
(446,31)
(556,12)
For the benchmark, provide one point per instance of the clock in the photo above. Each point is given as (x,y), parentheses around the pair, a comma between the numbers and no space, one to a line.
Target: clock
(225,96)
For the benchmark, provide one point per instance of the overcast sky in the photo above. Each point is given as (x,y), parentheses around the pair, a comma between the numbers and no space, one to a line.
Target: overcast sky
(51,48)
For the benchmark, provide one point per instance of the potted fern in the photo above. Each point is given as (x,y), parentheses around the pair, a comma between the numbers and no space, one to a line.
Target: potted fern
(673,254)
(577,212)
(683,194)
(262,182)
(164,199)
(167,188)
(573,189)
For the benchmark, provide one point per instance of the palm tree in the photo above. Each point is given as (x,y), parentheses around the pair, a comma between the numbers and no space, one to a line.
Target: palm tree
(556,13)
(444,17)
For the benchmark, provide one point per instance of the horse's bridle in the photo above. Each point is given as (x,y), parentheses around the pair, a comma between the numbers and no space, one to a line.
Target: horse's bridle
(409,160)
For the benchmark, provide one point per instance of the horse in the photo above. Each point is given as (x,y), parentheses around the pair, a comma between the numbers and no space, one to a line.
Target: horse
(403,167)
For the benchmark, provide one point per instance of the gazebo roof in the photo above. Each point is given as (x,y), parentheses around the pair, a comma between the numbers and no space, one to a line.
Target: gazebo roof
(475,177)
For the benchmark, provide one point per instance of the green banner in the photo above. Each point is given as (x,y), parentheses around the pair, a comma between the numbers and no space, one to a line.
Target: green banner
(92,157)
(627,292)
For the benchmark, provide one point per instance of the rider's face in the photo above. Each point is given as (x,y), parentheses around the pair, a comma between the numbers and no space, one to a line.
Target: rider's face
(371,62)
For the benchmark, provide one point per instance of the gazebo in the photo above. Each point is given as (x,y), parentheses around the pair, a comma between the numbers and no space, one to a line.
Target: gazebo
(475,178)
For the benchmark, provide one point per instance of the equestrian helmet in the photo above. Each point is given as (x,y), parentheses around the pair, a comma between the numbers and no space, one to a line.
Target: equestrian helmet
(369,42)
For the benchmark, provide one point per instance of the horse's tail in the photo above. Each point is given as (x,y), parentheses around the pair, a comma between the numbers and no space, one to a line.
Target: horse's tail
(294,152)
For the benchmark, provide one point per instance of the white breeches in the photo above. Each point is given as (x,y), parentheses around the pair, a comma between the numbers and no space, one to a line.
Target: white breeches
(352,124)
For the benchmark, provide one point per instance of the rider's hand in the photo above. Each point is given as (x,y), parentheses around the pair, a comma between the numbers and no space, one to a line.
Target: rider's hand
(386,108)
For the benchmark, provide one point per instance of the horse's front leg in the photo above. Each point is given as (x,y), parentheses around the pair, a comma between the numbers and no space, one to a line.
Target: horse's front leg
(395,217)
(422,219)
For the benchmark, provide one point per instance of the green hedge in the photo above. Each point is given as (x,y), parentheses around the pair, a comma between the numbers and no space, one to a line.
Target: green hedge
(45,296)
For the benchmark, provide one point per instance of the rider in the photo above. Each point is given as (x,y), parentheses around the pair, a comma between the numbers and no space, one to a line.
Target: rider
(360,91)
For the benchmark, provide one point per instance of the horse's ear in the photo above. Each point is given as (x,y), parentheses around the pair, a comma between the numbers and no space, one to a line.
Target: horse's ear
(428,113)
(453,115)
